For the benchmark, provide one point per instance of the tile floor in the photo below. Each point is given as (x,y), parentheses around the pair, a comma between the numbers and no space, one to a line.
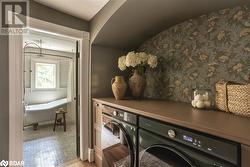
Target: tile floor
(45,148)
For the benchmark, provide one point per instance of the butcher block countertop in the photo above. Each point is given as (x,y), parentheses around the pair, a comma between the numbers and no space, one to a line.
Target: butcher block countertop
(212,122)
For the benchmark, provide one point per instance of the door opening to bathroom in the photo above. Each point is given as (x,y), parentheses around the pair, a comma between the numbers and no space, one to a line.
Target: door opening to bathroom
(51,119)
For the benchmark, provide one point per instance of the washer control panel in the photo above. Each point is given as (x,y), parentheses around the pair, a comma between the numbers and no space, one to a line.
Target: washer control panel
(120,114)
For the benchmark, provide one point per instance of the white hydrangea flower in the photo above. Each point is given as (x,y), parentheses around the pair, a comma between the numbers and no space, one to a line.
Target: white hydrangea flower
(132,59)
(152,61)
(143,57)
(122,63)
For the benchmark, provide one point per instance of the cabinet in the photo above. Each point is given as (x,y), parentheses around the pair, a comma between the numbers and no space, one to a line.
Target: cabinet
(245,156)
(97,124)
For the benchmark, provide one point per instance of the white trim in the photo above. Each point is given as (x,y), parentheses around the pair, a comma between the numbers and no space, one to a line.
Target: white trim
(91,155)
(15,98)
(84,94)
(16,85)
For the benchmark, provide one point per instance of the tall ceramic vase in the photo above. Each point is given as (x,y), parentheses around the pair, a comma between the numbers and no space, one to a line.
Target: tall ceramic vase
(137,84)
(119,87)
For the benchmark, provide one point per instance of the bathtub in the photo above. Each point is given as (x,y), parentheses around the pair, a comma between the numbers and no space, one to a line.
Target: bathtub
(45,112)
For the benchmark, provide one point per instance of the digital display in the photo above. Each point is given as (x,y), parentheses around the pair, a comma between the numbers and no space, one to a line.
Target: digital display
(187,138)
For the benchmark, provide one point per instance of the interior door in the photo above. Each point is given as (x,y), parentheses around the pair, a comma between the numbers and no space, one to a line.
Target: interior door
(77,100)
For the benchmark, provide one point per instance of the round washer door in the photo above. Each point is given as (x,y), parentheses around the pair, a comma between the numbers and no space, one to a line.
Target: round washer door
(163,156)
(117,147)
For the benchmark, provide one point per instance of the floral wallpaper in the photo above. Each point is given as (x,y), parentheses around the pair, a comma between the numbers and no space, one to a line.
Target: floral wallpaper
(199,52)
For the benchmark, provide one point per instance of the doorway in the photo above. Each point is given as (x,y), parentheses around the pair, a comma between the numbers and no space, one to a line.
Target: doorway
(51,93)
(16,106)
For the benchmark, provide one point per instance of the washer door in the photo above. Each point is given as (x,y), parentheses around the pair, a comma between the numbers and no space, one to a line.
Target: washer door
(117,147)
(163,156)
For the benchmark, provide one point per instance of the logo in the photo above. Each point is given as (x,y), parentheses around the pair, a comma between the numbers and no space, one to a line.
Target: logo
(4,163)
(14,20)
(11,163)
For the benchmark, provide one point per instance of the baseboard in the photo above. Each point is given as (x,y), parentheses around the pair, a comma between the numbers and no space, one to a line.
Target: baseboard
(91,155)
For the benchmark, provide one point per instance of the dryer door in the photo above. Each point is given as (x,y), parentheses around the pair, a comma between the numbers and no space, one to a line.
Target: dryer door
(117,146)
(163,156)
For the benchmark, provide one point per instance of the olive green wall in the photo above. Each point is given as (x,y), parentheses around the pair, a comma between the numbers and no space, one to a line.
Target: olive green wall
(198,53)
(48,14)
(103,69)
(103,16)
(4,98)
(138,20)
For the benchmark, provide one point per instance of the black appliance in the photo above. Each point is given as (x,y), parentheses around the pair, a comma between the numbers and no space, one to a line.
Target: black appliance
(166,145)
(119,138)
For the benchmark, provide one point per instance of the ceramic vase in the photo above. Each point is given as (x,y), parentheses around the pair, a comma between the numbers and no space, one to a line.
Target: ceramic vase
(137,84)
(119,87)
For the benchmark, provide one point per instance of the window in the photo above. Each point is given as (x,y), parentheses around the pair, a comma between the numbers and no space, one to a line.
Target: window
(45,75)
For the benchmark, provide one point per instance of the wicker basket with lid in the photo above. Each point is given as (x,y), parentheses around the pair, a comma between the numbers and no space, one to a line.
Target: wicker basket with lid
(233,97)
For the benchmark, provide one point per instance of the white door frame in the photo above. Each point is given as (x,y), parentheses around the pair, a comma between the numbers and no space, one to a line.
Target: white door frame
(16,85)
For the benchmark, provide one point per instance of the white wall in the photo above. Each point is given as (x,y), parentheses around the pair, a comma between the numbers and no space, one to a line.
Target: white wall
(36,96)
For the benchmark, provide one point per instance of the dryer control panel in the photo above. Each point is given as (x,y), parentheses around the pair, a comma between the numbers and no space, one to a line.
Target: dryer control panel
(204,142)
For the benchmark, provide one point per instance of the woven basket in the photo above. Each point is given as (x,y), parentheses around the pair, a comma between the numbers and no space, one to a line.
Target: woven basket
(233,97)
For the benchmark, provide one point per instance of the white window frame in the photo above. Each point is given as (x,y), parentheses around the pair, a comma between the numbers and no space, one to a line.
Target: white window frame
(33,74)
(52,70)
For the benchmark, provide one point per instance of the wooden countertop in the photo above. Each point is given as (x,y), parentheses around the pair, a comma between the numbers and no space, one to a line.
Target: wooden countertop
(216,123)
